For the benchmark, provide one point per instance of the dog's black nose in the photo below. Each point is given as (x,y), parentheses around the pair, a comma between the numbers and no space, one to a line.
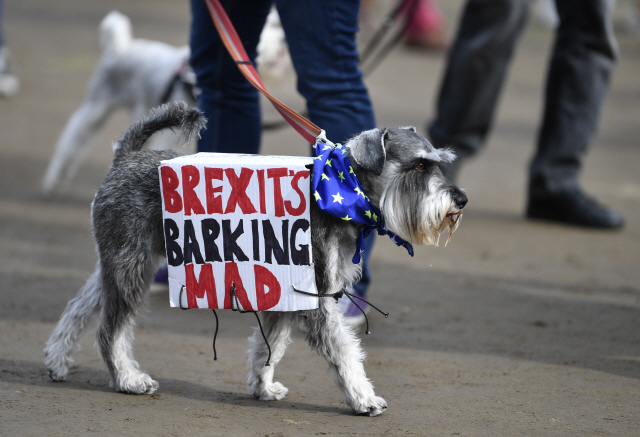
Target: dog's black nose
(459,198)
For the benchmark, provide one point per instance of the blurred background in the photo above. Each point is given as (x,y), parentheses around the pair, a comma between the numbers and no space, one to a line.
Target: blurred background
(505,288)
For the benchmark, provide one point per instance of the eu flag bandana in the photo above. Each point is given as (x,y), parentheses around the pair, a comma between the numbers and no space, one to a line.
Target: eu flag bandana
(337,192)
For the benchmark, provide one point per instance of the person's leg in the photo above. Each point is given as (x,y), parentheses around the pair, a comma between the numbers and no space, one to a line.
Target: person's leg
(321,38)
(476,67)
(355,313)
(583,59)
(229,102)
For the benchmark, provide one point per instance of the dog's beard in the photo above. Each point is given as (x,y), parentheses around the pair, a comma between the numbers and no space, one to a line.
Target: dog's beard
(439,215)
(420,222)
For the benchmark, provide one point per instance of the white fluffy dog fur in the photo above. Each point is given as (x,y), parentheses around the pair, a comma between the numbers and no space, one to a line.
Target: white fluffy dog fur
(136,75)
(132,74)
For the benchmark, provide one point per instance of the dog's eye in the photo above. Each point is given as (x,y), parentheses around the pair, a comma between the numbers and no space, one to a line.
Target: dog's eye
(420,165)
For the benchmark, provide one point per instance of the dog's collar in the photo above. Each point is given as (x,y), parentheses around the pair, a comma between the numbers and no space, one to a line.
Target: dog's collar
(181,77)
(338,192)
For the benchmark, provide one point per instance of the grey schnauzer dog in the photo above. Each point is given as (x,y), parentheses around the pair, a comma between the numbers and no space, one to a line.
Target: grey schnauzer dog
(398,169)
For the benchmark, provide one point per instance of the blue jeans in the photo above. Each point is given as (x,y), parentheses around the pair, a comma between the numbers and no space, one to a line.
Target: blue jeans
(583,57)
(321,39)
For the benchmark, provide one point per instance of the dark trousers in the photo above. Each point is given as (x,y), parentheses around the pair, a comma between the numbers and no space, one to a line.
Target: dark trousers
(580,67)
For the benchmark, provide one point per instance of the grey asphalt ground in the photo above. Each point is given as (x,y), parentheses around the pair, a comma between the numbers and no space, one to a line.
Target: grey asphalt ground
(515,328)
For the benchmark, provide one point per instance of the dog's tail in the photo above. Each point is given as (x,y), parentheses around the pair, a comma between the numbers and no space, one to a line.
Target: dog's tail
(115,32)
(188,122)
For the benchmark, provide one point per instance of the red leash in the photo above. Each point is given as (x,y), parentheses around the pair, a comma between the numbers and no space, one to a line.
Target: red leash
(232,42)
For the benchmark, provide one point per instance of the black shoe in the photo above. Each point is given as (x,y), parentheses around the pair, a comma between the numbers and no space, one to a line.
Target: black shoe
(573,208)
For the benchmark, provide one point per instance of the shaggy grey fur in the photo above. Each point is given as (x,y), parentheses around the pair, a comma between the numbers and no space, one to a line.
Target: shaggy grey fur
(395,167)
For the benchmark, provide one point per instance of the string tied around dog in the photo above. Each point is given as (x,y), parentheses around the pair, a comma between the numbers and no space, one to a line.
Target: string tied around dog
(234,298)
(339,294)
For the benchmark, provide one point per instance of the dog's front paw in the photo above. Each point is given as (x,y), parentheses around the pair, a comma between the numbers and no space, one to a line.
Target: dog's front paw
(273,392)
(57,376)
(371,407)
(140,384)
(57,366)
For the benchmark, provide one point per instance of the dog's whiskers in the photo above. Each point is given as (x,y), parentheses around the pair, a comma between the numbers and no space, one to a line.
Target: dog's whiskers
(432,232)
(453,221)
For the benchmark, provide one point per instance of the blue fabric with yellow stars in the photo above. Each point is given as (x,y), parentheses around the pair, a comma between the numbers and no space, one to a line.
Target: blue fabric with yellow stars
(338,192)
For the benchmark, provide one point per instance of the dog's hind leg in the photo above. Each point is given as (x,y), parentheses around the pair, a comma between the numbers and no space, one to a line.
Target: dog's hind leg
(76,141)
(338,344)
(124,288)
(277,328)
(71,327)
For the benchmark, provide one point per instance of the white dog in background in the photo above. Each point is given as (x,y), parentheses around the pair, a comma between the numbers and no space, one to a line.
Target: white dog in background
(273,58)
(132,74)
(137,75)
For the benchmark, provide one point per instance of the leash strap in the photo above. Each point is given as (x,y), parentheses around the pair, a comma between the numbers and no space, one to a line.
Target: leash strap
(409,7)
(232,42)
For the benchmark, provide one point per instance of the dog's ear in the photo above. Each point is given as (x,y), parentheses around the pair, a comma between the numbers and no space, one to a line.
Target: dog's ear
(367,150)
(411,128)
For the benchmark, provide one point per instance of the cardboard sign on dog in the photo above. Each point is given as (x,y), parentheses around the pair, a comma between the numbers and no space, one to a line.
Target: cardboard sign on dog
(238,220)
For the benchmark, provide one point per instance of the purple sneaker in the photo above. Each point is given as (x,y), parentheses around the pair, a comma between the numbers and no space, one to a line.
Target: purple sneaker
(162,275)
(161,280)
